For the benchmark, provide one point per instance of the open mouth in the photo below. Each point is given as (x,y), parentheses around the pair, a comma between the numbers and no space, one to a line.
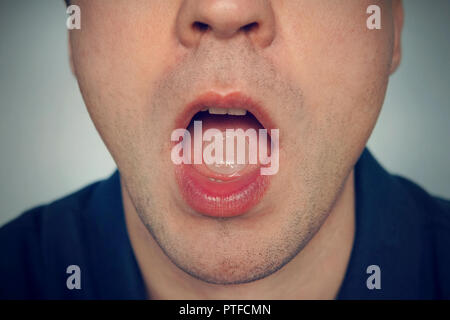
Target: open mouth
(226,148)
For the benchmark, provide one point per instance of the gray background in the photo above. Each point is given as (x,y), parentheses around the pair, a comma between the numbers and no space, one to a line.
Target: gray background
(49,147)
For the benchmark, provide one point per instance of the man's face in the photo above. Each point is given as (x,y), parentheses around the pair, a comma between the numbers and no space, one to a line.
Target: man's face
(313,67)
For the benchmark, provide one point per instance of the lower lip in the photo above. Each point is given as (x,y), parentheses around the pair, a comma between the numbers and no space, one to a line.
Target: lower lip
(220,199)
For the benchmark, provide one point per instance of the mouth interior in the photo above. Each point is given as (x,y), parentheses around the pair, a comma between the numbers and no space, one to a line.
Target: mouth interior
(227,170)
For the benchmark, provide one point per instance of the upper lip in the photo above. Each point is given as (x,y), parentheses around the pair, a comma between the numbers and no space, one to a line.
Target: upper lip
(235,99)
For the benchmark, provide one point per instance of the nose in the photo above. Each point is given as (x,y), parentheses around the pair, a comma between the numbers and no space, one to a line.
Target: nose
(225,19)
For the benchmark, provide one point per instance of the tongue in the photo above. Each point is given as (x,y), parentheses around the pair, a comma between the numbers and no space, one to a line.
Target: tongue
(225,169)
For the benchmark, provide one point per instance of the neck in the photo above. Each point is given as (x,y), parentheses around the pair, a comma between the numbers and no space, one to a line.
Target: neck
(315,273)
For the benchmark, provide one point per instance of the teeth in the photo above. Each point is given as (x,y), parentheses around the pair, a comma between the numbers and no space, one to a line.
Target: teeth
(217,111)
(233,112)
(237,112)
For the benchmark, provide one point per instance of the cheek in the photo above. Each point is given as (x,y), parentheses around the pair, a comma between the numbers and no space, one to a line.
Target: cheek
(342,68)
(121,49)
(116,64)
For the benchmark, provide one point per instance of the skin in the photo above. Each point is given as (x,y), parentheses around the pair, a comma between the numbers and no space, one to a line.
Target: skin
(322,77)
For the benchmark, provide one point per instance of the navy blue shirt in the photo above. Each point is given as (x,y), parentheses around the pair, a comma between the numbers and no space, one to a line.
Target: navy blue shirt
(400,228)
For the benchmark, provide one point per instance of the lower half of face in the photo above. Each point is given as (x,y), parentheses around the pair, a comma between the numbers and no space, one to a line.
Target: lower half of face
(321,82)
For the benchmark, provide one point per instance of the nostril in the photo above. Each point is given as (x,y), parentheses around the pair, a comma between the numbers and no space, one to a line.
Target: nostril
(250,27)
(204,20)
(200,26)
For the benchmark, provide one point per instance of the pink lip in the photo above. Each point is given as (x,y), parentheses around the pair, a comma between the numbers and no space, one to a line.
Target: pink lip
(220,199)
(232,197)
